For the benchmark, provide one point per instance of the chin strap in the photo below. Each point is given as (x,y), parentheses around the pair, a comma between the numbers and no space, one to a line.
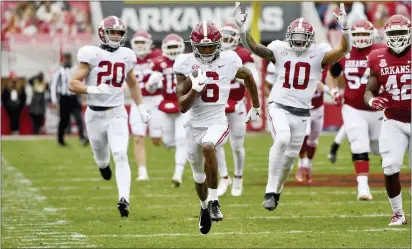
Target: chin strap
(108,48)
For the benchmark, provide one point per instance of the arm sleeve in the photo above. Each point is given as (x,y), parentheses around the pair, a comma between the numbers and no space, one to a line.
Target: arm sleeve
(84,55)
(336,69)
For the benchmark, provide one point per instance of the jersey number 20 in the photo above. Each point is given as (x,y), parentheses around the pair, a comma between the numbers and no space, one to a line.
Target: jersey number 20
(295,80)
(110,73)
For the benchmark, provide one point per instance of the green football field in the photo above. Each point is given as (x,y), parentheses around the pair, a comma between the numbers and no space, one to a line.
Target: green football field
(55,197)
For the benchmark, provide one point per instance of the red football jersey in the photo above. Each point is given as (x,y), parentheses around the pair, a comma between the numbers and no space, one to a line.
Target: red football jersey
(394,74)
(169,103)
(356,74)
(237,89)
(317,100)
(143,69)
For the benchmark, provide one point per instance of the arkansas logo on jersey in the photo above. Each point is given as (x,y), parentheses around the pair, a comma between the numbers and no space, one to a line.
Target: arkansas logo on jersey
(169,103)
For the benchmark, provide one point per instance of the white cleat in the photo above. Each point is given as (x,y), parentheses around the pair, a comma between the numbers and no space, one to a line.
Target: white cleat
(398,220)
(237,187)
(223,185)
(365,196)
(143,176)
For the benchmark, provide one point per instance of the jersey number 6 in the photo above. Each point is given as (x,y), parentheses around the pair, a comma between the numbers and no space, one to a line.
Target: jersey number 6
(211,92)
(107,75)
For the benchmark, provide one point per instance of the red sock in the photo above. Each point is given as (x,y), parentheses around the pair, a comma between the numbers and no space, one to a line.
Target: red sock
(361,167)
(304,148)
(310,151)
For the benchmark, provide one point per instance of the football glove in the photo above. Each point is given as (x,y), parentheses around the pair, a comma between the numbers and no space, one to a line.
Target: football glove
(154,82)
(240,17)
(143,113)
(100,89)
(336,96)
(198,82)
(253,114)
(342,19)
(378,103)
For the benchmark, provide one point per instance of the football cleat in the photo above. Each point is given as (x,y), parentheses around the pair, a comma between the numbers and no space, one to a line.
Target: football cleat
(205,222)
(308,172)
(123,207)
(176,183)
(214,210)
(223,185)
(300,171)
(271,201)
(398,220)
(364,196)
(237,186)
(106,172)
(332,153)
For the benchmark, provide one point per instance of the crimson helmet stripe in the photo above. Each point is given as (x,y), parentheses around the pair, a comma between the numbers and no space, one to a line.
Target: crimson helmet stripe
(205,28)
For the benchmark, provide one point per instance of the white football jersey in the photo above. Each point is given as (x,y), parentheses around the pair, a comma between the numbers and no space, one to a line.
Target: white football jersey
(296,76)
(110,68)
(209,107)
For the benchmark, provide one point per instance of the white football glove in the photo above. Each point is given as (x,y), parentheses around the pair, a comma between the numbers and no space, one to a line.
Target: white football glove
(143,113)
(253,114)
(342,18)
(198,83)
(240,17)
(100,89)
(154,82)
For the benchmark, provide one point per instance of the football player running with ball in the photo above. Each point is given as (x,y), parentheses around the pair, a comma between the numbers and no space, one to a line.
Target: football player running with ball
(104,70)
(203,85)
(299,63)
(391,68)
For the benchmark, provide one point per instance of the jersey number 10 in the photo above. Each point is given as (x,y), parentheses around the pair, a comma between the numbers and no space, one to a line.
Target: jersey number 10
(298,66)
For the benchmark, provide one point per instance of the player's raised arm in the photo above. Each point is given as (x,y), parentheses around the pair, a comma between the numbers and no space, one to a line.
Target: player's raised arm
(187,89)
(372,91)
(335,54)
(247,40)
(249,81)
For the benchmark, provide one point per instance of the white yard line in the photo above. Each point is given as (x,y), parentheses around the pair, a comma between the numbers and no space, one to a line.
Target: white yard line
(37,218)
(159,235)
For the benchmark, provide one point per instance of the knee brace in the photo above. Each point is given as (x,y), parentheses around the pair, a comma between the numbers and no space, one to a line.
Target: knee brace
(360,157)
(282,140)
(236,142)
(199,177)
(391,170)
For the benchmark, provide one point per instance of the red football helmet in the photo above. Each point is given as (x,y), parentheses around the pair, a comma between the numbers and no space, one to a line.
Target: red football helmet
(230,36)
(141,43)
(206,41)
(300,35)
(362,34)
(112,32)
(172,46)
(398,33)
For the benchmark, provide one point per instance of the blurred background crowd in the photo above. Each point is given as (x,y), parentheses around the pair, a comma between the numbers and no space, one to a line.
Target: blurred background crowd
(35,34)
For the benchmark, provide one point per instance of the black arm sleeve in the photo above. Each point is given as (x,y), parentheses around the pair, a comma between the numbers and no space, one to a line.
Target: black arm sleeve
(335,70)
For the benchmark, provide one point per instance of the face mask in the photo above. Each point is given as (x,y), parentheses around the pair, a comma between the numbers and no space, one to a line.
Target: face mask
(67,64)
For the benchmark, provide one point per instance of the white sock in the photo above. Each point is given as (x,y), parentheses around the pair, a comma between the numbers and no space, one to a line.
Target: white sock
(212,194)
(123,177)
(362,181)
(221,162)
(309,163)
(203,204)
(396,203)
(179,169)
(275,163)
(284,173)
(340,136)
(239,161)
